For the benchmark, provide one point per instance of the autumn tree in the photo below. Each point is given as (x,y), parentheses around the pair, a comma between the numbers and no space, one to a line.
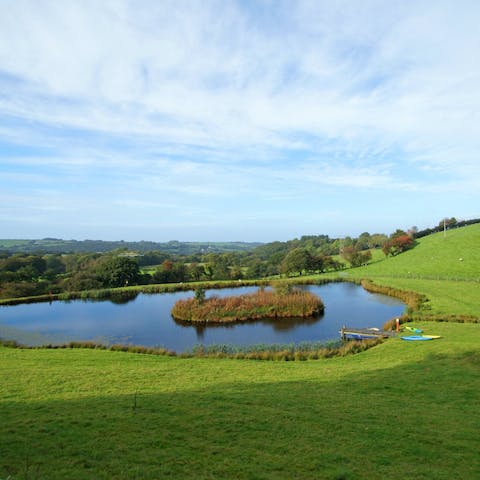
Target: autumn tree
(397,244)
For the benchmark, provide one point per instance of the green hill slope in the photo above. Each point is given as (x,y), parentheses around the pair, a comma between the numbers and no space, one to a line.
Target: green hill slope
(451,257)
(444,268)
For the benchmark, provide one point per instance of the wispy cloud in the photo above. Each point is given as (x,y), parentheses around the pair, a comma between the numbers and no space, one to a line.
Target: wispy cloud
(221,104)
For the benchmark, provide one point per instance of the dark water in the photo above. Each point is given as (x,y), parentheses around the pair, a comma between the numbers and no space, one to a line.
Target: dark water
(146,320)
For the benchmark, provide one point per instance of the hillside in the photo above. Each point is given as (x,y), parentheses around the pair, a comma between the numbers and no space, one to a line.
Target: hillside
(444,268)
(174,247)
(455,256)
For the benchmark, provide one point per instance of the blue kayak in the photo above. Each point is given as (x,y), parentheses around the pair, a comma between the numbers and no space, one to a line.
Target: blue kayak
(414,338)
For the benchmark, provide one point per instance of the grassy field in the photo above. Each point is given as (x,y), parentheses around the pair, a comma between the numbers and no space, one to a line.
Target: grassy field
(389,412)
(444,268)
(444,296)
(455,256)
(400,410)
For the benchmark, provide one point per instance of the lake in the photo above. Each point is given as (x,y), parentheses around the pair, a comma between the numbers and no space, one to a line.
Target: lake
(146,320)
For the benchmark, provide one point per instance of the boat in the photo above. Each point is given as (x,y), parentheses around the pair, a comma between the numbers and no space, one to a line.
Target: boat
(416,338)
(413,329)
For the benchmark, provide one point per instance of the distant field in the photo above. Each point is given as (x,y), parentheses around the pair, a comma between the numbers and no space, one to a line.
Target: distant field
(13,242)
(56,245)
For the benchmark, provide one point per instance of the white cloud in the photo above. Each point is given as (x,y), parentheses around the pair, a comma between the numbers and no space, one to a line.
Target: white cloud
(217,99)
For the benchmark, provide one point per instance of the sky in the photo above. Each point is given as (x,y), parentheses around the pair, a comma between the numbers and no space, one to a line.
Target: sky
(236,120)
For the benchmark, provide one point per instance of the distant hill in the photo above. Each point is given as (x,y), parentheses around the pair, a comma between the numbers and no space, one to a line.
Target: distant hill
(174,247)
(454,255)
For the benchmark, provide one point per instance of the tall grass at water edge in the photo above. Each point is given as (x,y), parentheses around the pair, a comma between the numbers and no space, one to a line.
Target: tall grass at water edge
(287,352)
(252,306)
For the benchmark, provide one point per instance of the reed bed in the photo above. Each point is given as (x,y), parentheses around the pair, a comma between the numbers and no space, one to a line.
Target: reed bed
(273,352)
(414,301)
(252,306)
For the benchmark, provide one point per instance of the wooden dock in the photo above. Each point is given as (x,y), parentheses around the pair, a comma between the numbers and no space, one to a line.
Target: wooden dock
(347,333)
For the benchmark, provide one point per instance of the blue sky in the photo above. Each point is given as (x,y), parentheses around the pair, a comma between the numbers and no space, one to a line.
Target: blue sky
(247,120)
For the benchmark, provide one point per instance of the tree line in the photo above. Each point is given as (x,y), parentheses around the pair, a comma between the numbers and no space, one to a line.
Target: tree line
(25,274)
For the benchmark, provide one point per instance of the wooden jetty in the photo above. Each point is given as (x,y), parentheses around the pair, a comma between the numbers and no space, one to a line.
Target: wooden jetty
(347,333)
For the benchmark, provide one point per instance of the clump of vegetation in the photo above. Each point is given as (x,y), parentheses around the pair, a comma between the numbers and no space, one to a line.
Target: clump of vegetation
(283,352)
(415,301)
(253,306)
(286,352)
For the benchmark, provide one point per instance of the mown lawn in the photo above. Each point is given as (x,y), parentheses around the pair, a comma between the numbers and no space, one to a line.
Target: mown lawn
(400,410)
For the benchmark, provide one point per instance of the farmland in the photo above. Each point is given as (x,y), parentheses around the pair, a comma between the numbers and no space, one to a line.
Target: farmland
(398,410)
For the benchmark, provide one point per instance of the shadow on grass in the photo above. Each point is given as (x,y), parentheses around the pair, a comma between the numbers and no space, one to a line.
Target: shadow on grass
(420,420)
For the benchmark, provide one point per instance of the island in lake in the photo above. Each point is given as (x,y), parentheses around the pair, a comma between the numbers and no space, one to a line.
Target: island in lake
(252,306)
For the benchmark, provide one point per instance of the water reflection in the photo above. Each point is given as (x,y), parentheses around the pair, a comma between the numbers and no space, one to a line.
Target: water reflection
(281,324)
(146,320)
(123,298)
(117,298)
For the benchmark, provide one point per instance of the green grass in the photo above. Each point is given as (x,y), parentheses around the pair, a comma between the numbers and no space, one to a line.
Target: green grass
(399,410)
(4,243)
(434,269)
(389,412)
(435,257)
(444,296)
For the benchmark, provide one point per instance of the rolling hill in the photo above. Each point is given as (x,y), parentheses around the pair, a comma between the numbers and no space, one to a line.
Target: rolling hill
(454,256)
(444,268)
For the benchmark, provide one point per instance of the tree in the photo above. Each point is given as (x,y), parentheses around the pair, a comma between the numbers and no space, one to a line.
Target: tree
(117,271)
(54,264)
(219,267)
(397,245)
(171,272)
(398,233)
(377,240)
(363,241)
(257,269)
(317,263)
(330,263)
(362,258)
(296,261)
(236,273)
(195,271)
(447,223)
(354,257)
(200,295)
(412,231)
